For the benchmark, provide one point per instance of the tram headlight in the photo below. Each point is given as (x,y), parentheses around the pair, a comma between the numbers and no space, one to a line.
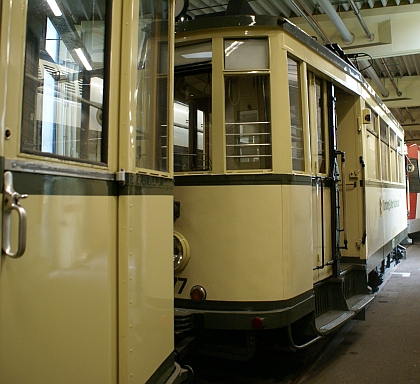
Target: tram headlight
(181,252)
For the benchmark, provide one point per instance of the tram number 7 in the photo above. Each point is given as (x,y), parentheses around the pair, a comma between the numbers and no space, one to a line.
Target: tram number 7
(182,281)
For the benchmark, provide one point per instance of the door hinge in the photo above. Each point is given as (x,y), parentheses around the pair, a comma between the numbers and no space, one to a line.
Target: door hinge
(120,176)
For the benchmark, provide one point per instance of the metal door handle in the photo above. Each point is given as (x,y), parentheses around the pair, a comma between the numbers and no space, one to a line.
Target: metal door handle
(11,203)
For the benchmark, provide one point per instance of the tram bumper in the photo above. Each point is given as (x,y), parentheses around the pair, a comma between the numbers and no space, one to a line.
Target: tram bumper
(244,319)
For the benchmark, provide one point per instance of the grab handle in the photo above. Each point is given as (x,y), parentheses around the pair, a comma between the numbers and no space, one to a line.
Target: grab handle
(11,203)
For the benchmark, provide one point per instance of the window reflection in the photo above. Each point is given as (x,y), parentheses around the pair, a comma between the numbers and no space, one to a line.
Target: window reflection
(152,87)
(62,109)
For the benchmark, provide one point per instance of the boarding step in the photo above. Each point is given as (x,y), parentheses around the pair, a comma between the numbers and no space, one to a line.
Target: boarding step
(358,302)
(332,320)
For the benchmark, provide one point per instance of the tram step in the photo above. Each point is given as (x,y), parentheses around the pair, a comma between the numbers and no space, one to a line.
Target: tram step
(358,302)
(332,320)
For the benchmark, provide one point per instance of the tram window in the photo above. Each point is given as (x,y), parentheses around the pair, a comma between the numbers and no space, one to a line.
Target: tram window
(192,113)
(63,106)
(400,164)
(414,184)
(246,54)
(372,163)
(298,161)
(372,126)
(371,156)
(152,87)
(248,122)
(384,149)
(393,155)
(193,54)
(320,124)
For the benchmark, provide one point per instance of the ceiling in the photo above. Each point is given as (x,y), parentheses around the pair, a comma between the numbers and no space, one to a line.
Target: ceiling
(380,36)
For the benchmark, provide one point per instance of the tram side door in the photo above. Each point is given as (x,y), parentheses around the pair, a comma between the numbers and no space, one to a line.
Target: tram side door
(58,276)
(321,196)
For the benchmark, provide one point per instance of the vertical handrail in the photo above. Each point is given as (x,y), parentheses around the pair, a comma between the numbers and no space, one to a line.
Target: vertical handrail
(344,203)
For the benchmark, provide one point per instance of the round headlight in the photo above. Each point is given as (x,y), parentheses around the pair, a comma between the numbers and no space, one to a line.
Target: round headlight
(181,252)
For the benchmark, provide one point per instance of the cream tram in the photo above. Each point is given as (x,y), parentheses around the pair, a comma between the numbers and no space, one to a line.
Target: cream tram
(289,176)
(86,274)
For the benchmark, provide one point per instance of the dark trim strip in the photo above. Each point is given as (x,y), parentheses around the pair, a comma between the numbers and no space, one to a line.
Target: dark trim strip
(139,184)
(242,179)
(212,305)
(237,316)
(44,184)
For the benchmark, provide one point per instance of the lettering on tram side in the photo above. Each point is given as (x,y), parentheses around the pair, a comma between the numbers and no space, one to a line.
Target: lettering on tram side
(182,281)
(390,204)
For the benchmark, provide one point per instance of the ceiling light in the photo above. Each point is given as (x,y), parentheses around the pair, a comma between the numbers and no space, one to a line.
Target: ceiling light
(54,7)
(83,59)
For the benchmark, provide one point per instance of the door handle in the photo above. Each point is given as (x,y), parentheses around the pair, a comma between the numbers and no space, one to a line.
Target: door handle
(11,203)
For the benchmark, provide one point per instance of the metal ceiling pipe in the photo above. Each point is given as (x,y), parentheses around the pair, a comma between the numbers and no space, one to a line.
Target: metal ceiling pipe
(347,36)
(398,114)
(356,11)
(394,84)
(375,78)
(409,114)
(307,15)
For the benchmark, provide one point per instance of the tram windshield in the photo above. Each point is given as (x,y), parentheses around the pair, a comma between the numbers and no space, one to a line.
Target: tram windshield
(62,110)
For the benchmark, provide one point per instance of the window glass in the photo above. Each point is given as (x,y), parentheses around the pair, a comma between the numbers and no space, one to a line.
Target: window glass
(400,164)
(371,153)
(192,119)
(414,177)
(152,87)
(372,126)
(384,150)
(248,122)
(320,126)
(298,161)
(63,104)
(393,155)
(246,54)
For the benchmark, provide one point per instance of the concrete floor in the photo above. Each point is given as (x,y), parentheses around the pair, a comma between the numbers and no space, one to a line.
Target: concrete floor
(386,347)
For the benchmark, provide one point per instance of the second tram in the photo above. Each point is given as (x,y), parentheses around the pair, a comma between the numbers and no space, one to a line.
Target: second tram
(289,175)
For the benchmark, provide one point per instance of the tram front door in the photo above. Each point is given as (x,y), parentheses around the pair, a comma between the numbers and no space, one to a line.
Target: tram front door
(86,275)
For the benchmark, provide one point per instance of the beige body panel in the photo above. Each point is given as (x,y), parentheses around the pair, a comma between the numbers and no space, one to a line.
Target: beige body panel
(58,302)
(146,285)
(274,259)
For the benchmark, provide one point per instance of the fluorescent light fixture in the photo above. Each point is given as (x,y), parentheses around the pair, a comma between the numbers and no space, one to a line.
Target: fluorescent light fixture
(83,59)
(197,55)
(54,7)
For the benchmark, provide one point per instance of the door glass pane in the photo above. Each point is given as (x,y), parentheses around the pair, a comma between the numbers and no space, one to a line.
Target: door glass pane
(320,126)
(192,120)
(296,125)
(62,111)
(152,87)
